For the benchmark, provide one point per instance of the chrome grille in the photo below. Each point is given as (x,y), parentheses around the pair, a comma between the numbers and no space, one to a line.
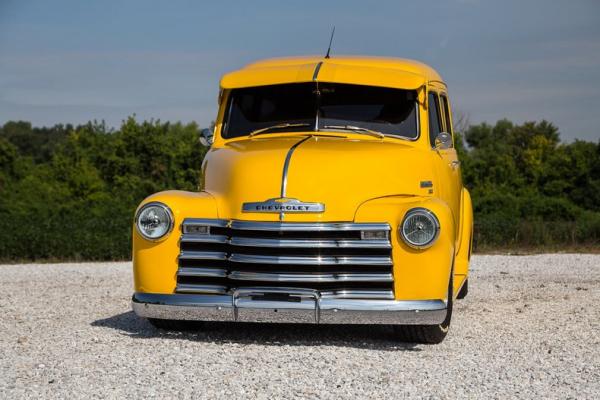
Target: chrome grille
(334,258)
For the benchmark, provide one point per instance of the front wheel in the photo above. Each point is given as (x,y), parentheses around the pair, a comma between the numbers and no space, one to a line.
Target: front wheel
(427,334)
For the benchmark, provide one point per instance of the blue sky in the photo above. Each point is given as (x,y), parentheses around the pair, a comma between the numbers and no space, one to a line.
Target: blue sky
(76,60)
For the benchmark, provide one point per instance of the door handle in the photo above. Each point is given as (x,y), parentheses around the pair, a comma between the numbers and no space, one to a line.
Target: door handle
(455,164)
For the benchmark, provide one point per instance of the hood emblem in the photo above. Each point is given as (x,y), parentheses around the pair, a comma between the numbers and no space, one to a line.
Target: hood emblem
(283,205)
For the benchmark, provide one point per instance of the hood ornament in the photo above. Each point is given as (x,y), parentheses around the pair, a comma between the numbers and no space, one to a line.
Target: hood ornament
(283,205)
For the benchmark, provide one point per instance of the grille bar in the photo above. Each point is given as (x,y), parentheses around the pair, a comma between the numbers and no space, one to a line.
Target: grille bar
(205,289)
(191,238)
(326,260)
(202,272)
(302,243)
(202,255)
(284,277)
(359,294)
(302,226)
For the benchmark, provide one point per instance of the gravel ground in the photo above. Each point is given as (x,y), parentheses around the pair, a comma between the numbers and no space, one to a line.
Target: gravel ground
(528,329)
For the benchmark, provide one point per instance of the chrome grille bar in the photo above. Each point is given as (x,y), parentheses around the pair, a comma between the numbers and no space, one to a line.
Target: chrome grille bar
(206,289)
(202,255)
(308,227)
(359,294)
(325,260)
(203,272)
(191,238)
(205,221)
(303,243)
(286,277)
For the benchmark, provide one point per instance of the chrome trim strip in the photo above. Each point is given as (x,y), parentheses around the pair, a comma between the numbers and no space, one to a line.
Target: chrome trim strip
(288,243)
(317,68)
(312,308)
(206,289)
(324,260)
(206,221)
(359,294)
(299,260)
(337,294)
(299,277)
(202,255)
(307,226)
(202,272)
(303,243)
(193,238)
(260,290)
(288,226)
(286,166)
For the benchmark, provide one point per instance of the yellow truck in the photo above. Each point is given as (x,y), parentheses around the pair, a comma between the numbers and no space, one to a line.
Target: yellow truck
(331,194)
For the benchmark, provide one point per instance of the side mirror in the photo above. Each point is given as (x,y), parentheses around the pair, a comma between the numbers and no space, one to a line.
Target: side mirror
(443,141)
(206,137)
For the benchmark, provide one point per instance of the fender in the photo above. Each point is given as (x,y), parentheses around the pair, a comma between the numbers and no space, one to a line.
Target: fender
(155,263)
(418,273)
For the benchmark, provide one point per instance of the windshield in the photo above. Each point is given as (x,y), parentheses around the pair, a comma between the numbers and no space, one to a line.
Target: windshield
(321,106)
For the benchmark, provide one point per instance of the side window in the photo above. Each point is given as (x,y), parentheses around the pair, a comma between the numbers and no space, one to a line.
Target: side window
(447,114)
(434,118)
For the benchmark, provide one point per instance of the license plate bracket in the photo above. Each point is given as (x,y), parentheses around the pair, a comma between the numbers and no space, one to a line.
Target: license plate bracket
(276,305)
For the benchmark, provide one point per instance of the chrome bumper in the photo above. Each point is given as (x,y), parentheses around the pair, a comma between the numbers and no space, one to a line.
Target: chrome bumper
(282,305)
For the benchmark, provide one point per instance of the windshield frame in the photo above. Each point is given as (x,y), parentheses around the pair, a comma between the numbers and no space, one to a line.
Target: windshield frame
(311,129)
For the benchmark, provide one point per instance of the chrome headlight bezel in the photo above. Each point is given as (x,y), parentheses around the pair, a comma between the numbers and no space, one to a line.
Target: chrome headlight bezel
(422,212)
(168,212)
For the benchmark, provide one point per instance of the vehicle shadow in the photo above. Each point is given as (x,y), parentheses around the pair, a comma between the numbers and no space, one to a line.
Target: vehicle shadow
(377,337)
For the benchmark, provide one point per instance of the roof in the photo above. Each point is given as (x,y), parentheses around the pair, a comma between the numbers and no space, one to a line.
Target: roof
(373,71)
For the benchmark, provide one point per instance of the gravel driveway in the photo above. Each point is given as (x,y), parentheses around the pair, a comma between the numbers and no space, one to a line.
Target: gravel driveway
(528,329)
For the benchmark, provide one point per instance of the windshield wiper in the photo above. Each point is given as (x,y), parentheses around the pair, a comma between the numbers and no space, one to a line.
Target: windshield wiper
(356,129)
(279,126)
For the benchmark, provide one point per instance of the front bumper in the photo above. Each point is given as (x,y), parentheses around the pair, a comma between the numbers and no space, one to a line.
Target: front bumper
(284,305)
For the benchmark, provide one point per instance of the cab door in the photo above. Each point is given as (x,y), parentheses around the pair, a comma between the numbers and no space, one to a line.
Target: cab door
(446,160)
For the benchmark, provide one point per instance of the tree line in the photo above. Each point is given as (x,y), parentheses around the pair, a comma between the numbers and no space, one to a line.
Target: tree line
(69,193)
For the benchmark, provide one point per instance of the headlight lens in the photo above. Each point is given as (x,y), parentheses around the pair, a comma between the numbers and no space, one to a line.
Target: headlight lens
(420,228)
(154,221)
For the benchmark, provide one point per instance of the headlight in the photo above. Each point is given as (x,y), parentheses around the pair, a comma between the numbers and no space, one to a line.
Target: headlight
(420,228)
(154,221)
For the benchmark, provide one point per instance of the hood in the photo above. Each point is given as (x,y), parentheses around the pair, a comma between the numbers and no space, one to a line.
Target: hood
(339,172)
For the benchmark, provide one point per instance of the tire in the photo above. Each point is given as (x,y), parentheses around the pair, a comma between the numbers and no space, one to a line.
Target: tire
(427,334)
(175,325)
(464,290)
